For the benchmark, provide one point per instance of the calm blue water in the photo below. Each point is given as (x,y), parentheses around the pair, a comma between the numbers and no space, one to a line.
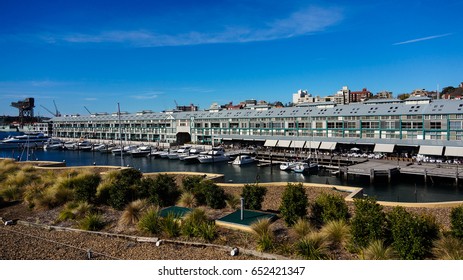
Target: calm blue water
(405,189)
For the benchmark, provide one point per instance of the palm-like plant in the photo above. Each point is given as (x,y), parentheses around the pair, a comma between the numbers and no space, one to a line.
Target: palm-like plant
(377,250)
(448,248)
(313,246)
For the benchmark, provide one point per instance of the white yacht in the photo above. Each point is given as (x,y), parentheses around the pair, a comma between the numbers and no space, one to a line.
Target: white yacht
(184,150)
(303,167)
(287,166)
(215,155)
(141,151)
(53,144)
(32,140)
(125,150)
(243,159)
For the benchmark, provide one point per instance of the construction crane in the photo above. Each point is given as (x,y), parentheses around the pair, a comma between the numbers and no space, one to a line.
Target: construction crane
(26,109)
(56,113)
(88,110)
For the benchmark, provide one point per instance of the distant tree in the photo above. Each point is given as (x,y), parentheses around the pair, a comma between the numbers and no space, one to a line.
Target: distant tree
(403,96)
(278,104)
(447,90)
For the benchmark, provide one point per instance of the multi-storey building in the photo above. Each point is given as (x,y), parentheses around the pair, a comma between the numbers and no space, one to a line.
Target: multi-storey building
(413,122)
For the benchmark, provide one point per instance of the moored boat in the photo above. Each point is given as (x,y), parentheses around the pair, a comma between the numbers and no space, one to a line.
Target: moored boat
(31,140)
(213,156)
(243,159)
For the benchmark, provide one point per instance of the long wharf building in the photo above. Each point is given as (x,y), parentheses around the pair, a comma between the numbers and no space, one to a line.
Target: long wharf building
(420,122)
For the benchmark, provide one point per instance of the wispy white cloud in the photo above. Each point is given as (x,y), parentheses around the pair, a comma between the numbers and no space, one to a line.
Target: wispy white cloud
(422,39)
(303,22)
(147,96)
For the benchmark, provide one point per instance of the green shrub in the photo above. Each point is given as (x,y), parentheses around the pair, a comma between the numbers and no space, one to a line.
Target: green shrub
(208,193)
(119,188)
(162,190)
(329,207)
(120,195)
(93,222)
(294,203)
(456,222)
(412,235)
(190,183)
(253,196)
(85,186)
(150,221)
(368,223)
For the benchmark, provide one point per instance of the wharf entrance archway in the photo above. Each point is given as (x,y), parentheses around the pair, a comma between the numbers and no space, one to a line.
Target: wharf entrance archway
(183,137)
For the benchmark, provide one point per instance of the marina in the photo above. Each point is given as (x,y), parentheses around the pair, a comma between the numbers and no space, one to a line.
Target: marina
(403,187)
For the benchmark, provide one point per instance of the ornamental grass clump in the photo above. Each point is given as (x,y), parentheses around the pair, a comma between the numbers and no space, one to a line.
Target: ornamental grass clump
(302,227)
(261,229)
(170,225)
(150,221)
(132,212)
(187,199)
(92,222)
(336,232)
(378,250)
(196,224)
(448,248)
(313,246)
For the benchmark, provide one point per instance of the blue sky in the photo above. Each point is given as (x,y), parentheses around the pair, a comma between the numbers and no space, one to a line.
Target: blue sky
(147,55)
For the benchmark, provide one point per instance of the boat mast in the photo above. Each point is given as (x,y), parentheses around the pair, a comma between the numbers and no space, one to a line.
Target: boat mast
(120,133)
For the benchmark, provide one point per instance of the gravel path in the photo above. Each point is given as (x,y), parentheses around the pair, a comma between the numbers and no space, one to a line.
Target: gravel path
(19,242)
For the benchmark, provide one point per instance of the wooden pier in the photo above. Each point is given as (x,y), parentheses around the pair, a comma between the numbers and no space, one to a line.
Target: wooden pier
(385,168)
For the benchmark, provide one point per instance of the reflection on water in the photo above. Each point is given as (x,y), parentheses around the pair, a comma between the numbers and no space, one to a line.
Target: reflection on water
(403,188)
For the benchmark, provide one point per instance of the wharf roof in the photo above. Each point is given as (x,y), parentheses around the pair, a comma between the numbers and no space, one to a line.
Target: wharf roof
(414,106)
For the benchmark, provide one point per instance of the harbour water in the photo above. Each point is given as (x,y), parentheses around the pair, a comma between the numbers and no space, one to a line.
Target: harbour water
(403,188)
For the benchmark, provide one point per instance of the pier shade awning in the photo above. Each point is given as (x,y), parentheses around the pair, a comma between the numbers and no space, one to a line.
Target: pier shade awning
(328,146)
(384,148)
(297,144)
(431,150)
(453,151)
(270,143)
(312,144)
(284,143)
